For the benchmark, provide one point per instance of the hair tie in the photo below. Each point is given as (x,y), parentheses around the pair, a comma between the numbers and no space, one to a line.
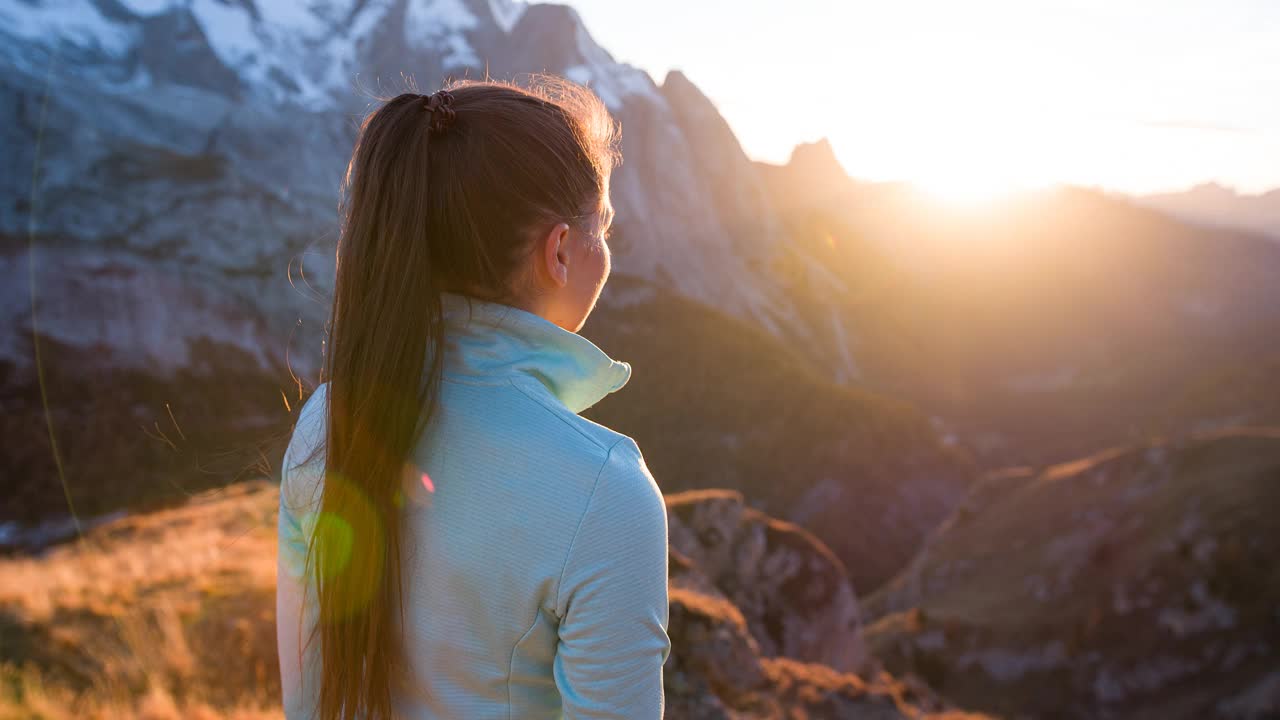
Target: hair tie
(440,105)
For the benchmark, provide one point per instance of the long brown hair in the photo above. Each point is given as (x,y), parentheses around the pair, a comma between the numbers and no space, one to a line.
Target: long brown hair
(424,210)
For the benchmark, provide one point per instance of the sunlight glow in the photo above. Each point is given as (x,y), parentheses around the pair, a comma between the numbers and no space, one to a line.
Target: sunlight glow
(978,157)
(964,124)
(966,190)
(975,99)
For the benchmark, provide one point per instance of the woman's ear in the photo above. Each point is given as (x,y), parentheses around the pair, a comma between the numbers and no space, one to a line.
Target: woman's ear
(555,254)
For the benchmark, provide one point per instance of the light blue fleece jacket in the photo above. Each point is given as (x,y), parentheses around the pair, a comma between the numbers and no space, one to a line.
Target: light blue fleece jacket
(535,560)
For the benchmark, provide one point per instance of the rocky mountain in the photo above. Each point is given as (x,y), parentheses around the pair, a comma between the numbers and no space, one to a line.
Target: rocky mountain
(1214,204)
(209,137)
(1135,583)
(137,621)
(1042,327)
(167,255)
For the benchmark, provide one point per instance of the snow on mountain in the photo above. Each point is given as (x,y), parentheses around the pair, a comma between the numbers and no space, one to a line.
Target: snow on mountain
(506,12)
(610,80)
(77,23)
(442,24)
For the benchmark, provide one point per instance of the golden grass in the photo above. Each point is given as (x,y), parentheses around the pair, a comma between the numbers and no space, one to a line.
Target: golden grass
(167,615)
(26,697)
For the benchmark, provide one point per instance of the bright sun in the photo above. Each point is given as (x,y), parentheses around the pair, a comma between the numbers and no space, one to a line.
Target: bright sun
(966,189)
(956,123)
(973,160)
(974,164)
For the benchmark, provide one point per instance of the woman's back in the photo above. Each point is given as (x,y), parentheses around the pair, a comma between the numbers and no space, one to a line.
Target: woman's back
(534,546)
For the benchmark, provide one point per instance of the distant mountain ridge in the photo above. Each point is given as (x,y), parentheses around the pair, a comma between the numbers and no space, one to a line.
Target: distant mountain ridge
(1214,204)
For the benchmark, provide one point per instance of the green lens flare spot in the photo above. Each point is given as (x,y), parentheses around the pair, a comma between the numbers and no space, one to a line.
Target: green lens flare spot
(337,537)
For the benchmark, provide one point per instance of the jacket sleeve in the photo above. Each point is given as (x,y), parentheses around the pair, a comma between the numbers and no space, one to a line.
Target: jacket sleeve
(612,598)
(300,486)
(295,619)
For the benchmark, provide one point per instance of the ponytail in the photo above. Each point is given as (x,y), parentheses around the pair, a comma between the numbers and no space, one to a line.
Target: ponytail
(386,318)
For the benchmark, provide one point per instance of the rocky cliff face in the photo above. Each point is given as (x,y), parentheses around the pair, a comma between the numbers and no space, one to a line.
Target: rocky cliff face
(1132,584)
(209,138)
(170,244)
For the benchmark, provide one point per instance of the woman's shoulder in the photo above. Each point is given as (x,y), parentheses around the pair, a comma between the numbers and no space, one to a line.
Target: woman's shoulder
(625,482)
(579,456)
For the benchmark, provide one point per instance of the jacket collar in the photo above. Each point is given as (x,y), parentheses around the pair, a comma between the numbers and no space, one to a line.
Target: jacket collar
(486,338)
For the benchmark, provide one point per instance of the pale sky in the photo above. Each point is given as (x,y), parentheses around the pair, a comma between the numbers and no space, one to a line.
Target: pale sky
(972,96)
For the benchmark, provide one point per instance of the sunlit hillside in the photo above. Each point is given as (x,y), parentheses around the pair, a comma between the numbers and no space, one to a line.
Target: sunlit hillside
(1044,325)
(172,615)
(1134,583)
(139,620)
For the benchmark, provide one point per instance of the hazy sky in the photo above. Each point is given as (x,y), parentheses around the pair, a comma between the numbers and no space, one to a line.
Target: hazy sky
(978,95)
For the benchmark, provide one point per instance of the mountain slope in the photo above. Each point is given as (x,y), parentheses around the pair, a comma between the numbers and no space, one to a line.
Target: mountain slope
(1037,328)
(1135,583)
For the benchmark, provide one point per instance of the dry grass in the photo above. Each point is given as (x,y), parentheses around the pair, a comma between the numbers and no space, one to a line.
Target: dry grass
(27,697)
(167,615)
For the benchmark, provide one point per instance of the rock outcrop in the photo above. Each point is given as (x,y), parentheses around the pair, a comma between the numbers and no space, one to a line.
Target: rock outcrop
(719,673)
(791,591)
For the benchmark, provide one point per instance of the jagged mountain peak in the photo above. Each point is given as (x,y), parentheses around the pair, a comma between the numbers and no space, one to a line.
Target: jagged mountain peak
(554,38)
(677,78)
(817,159)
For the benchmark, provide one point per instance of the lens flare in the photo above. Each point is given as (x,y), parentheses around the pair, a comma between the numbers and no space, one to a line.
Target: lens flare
(346,552)
(338,538)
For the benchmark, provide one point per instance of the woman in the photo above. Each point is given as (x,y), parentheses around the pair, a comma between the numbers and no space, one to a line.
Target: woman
(455,540)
